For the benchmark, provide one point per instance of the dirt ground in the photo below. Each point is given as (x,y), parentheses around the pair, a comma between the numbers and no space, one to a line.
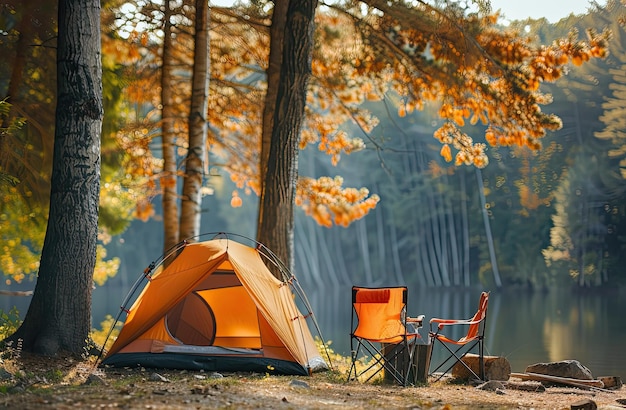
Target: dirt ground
(63,383)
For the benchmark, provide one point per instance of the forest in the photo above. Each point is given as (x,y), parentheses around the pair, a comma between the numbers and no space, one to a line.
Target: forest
(550,218)
(388,190)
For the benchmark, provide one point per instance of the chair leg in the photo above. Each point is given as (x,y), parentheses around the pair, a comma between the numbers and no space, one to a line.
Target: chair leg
(458,358)
(430,359)
(399,374)
(407,371)
(481,359)
(354,354)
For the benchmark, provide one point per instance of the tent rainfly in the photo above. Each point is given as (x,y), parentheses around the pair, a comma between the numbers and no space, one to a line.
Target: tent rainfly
(216,306)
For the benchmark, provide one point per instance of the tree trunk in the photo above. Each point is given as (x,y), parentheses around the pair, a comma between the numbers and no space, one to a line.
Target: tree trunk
(340,260)
(466,235)
(18,63)
(365,256)
(35,20)
(276,212)
(395,254)
(59,316)
(492,252)
(169,178)
(453,239)
(277,40)
(423,258)
(196,153)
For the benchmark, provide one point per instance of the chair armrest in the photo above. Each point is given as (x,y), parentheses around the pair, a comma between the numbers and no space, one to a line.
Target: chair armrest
(414,322)
(449,322)
(419,319)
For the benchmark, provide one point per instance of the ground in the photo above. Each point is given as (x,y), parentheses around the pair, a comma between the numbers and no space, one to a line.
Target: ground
(31,382)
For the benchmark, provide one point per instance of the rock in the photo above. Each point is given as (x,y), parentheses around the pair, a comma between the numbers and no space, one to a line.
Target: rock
(491,385)
(572,369)
(299,383)
(199,390)
(4,374)
(216,375)
(585,404)
(94,379)
(155,377)
(18,388)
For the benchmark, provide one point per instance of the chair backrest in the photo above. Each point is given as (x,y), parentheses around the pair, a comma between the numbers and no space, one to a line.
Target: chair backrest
(479,317)
(379,313)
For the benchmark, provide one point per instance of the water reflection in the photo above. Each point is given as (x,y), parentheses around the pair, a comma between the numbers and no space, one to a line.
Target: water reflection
(524,327)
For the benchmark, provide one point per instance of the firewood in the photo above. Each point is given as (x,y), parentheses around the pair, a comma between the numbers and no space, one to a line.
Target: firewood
(496,367)
(611,382)
(580,383)
(525,386)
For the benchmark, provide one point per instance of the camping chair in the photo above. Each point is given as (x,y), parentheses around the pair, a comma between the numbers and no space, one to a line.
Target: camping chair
(475,337)
(383,331)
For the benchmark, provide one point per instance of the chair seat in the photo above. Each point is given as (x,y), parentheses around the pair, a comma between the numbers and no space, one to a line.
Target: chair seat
(474,338)
(396,339)
(464,340)
(380,332)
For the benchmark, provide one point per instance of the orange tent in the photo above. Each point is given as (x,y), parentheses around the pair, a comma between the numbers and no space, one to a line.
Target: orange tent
(216,307)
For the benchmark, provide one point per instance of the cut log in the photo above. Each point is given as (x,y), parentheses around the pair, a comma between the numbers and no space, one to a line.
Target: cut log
(583,384)
(611,382)
(526,386)
(496,367)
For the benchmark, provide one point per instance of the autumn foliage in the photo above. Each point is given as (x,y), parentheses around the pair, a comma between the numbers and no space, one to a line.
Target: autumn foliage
(328,203)
(476,71)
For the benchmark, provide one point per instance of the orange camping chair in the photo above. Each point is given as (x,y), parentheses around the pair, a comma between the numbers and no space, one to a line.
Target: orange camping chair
(383,332)
(474,338)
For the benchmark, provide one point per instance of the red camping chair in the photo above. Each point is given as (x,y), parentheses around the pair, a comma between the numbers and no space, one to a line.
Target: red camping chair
(474,338)
(383,332)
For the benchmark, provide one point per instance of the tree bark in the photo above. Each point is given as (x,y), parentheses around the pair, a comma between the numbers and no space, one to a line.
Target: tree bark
(277,40)
(59,316)
(169,177)
(276,212)
(191,205)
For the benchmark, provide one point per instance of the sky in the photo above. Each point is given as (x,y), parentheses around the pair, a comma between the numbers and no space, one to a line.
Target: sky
(553,10)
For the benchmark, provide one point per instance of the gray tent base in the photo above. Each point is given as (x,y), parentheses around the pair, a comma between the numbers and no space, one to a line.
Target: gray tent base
(206,363)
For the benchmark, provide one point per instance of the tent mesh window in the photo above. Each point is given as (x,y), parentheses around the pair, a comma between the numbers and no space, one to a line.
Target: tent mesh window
(182,321)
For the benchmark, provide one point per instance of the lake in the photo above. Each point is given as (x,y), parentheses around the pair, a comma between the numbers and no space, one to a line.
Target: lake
(525,327)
